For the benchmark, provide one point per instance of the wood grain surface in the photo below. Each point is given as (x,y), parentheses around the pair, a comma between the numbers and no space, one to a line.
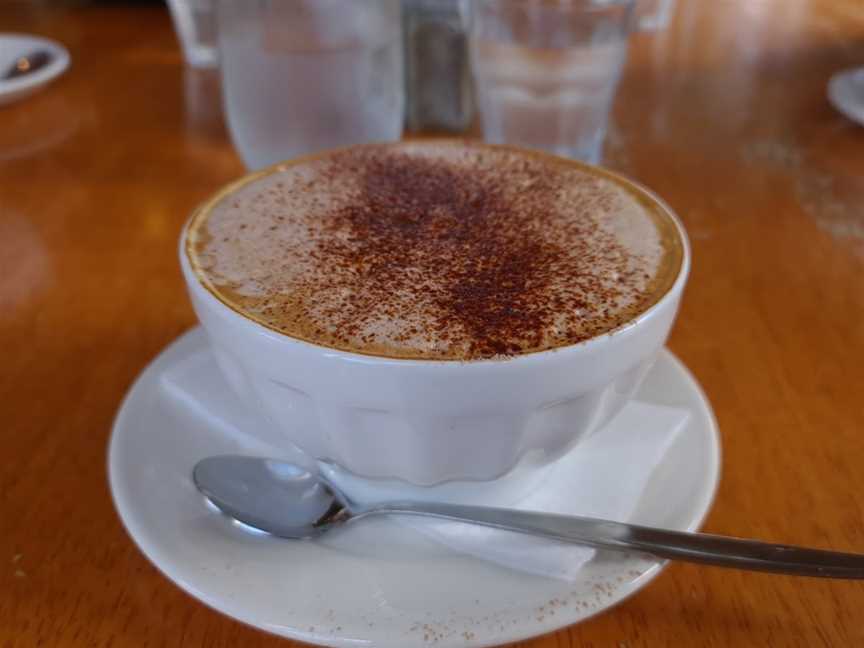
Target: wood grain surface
(725,115)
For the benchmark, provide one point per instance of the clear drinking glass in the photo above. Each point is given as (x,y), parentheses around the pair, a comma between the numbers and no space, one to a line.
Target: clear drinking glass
(195,24)
(546,71)
(305,75)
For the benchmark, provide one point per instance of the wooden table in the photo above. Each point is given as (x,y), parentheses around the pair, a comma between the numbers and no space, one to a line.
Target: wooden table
(724,115)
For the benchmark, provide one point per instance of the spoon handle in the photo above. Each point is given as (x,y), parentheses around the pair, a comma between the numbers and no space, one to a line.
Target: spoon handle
(703,548)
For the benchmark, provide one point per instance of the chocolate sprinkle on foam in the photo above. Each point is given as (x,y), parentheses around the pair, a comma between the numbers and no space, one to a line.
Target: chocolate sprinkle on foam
(436,251)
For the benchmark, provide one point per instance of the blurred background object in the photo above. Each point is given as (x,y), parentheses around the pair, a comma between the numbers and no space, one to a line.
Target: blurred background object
(654,15)
(305,75)
(546,72)
(28,63)
(195,24)
(846,93)
(437,75)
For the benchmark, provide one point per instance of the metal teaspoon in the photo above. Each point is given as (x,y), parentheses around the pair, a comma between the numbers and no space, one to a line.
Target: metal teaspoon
(288,501)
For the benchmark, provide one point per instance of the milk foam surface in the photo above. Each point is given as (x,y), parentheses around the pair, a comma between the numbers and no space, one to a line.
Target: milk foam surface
(436,250)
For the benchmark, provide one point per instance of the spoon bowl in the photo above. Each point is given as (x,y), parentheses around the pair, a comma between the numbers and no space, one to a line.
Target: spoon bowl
(280,498)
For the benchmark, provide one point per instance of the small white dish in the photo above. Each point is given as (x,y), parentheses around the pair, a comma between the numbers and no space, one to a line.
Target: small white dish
(365,585)
(12,47)
(846,93)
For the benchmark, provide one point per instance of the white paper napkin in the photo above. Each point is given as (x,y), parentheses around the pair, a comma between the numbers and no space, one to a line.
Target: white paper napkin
(602,477)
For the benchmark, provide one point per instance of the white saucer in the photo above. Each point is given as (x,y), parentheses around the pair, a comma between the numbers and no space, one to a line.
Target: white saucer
(365,585)
(846,93)
(13,46)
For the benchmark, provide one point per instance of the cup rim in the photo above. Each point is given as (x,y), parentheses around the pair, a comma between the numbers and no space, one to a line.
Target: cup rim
(628,328)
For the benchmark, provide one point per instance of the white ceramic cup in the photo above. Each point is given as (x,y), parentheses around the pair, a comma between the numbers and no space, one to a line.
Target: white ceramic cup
(427,422)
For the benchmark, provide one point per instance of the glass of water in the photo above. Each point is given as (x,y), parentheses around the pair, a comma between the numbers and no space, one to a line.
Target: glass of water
(545,72)
(304,75)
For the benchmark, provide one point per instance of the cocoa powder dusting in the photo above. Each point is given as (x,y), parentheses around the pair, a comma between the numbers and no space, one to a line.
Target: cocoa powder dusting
(420,214)
(435,252)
